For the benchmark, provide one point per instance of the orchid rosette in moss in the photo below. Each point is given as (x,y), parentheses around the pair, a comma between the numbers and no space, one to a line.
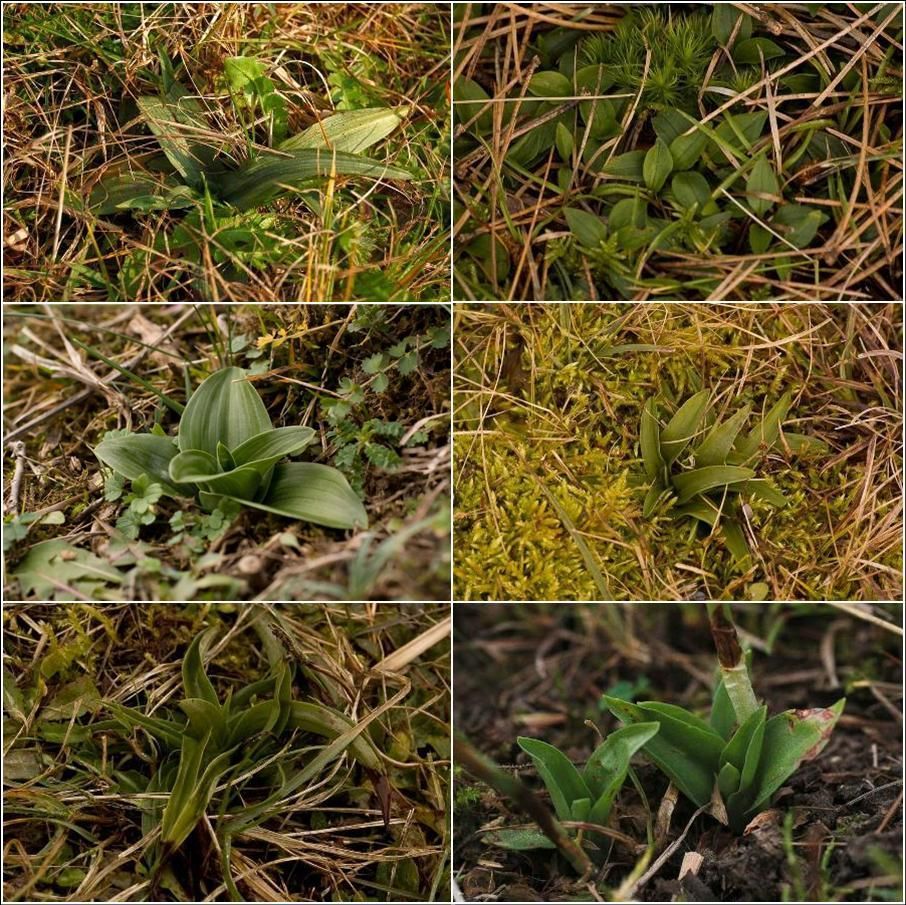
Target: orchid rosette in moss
(227,448)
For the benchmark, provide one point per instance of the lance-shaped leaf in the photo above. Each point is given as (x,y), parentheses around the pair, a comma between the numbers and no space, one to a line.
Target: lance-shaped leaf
(690,484)
(201,468)
(723,717)
(677,749)
(735,539)
(717,444)
(352,131)
(268,448)
(734,751)
(261,180)
(519,840)
(331,724)
(606,769)
(314,493)
(194,678)
(178,123)
(166,731)
(560,776)
(650,441)
(682,426)
(137,454)
(766,433)
(138,191)
(225,408)
(790,738)
(205,718)
(261,717)
(763,489)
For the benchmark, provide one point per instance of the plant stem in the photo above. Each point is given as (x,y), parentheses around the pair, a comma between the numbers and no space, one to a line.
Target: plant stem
(732,661)
(487,771)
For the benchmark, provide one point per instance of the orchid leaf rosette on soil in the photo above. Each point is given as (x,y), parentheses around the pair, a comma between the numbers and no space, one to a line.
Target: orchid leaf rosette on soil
(228,449)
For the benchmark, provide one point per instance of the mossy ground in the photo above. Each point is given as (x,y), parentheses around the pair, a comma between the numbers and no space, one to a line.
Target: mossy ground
(309,367)
(548,403)
(75,830)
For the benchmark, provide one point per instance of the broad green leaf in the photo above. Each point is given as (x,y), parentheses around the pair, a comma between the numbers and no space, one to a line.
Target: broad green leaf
(734,751)
(657,166)
(678,757)
(687,149)
(138,191)
(563,781)
(273,445)
(761,181)
(690,189)
(261,717)
(790,738)
(225,461)
(752,758)
(187,777)
(702,508)
(752,50)
(332,725)
(313,493)
(353,131)
(650,441)
(550,84)
(723,21)
(194,678)
(683,425)
(717,444)
(588,229)
(626,166)
(606,769)
(669,124)
(759,238)
(138,454)
(677,723)
(178,123)
(652,498)
(518,840)
(533,144)
(580,809)
(193,465)
(225,408)
(802,443)
(763,489)
(167,731)
(767,431)
(631,212)
(263,178)
(240,72)
(739,131)
(700,480)
(599,115)
(200,468)
(76,698)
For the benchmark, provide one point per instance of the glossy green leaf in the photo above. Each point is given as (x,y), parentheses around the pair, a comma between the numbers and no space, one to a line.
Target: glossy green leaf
(701,508)
(468,99)
(650,441)
(669,124)
(560,776)
(723,717)
(138,191)
(166,731)
(700,480)
(332,725)
(767,432)
(137,454)
(734,752)
(354,131)
(753,50)
(652,498)
(631,212)
(264,178)
(728,781)
(798,223)
(759,238)
(599,115)
(802,443)
(763,489)
(739,131)
(225,461)
(626,166)
(789,739)
(675,753)
(716,446)
(565,142)
(657,166)
(690,189)
(313,493)
(548,83)
(273,445)
(683,426)
(761,181)
(606,769)
(205,718)
(676,724)
(201,468)
(261,717)
(735,539)
(225,408)
(580,809)
(194,678)
(588,229)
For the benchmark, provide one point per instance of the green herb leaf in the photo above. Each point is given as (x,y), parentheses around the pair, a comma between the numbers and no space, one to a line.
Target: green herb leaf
(767,432)
(723,21)
(550,84)
(717,444)
(650,441)
(588,229)
(657,166)
(690,189)
(565,144)
(563,781)
(468,98)
(273,445)
(747,52)
(138,454)
(194,678)
(799,223)
(700,480)
(518,840)
(353,131)
(682,427)
(631,212)
(687,149)
(761,181)
(626,166)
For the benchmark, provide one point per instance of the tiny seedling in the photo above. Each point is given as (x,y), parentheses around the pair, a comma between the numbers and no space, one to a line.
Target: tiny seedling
(738,758)
(708,481)
(583,796)
(227,451)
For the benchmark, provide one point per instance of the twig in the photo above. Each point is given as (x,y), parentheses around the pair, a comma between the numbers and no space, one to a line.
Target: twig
(17,450)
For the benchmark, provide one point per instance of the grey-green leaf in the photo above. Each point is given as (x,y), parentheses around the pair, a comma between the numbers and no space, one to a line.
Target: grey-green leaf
(138,454)
(273,445)
(717,444)
(352,131)
(313,493)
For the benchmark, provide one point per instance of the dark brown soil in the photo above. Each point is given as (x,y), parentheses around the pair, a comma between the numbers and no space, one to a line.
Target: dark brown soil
(834,832)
